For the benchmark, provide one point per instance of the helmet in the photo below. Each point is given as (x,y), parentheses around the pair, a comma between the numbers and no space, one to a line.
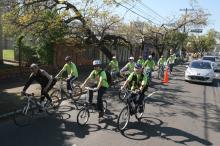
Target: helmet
(68,58)
(96,62)
(33,65)
(161,56)
(113,57)
(131,58)
(150,56)
(137,66)
(140,56)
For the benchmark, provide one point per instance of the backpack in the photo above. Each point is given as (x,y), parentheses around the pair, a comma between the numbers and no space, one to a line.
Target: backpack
(134,79)
(108,76)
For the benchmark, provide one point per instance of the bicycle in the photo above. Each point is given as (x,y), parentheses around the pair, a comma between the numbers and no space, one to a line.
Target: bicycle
(131,108)
(61,91)
(23,117)
(84,113)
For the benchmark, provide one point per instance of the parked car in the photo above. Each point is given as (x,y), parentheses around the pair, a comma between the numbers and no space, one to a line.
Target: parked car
(200,71)
(213,59)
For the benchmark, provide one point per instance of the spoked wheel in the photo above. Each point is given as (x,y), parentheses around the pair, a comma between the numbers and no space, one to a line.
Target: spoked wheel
(24,117)
(123,118)
(83,116)
(51,108)
(77,91)
(122,94)
(139,112)
(56,94)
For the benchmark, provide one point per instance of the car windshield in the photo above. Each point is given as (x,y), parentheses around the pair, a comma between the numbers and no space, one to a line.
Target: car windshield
(209,58)
(201,65)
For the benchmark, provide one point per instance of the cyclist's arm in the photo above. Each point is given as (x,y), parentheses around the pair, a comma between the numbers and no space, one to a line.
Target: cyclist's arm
(61,71)
(89,77)
(49,77)
(143,83)
(29,82)
(127,81)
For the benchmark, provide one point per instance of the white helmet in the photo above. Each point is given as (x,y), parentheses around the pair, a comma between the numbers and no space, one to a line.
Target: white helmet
(96,62)
(131,58)
(113,57)
(150,56)
(33,65)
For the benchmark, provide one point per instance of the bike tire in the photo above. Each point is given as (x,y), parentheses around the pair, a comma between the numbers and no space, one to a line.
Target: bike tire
(77,92)
(23,118)
(56,93)
(83,114)
(122,126)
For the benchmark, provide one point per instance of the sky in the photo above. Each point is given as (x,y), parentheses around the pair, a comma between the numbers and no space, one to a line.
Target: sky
(171,9)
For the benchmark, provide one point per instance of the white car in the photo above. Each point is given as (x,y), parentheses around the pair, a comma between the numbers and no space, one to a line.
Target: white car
(213,59)
(200,71)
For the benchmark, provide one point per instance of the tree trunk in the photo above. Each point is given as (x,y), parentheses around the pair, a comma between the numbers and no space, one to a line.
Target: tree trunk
(1,35)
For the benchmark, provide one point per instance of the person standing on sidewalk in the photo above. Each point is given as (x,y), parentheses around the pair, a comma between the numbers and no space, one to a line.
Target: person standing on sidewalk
(72,72)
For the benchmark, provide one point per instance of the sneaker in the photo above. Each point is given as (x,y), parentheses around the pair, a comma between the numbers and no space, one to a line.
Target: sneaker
(101,114)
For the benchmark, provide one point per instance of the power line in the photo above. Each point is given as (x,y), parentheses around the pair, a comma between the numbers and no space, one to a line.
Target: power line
(142,11)
(151,10)
(136,13)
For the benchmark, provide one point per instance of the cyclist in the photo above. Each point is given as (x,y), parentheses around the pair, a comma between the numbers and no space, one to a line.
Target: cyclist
(44,79)
(101,85)
(140,60)
(137,81)
(128,68)
(161,62)
(72,72)
(114,67)
(170,62)
(149,64)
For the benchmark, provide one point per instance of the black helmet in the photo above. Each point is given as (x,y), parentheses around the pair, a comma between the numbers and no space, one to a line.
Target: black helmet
(68,58)
(137,66)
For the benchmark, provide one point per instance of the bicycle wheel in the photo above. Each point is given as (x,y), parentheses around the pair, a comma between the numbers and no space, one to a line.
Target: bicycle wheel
(122,95)
(77,91)
(104,105)
(56,93)
(23,117)
(139,113)
(51,108)
(123,118)
(83,116)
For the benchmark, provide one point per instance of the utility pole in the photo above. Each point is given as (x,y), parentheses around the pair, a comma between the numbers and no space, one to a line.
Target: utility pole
(186,11)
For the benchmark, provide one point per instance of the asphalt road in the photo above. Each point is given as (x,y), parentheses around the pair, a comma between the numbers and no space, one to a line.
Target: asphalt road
(180,113)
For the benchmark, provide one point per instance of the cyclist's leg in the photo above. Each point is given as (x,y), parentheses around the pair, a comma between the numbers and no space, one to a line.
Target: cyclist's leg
(69,85)
(141,98)
(91,94)
(101,92)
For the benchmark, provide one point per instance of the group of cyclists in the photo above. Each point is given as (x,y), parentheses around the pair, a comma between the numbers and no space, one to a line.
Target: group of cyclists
(135,75)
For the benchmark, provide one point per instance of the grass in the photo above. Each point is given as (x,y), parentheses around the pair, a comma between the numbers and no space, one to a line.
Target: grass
(8,54)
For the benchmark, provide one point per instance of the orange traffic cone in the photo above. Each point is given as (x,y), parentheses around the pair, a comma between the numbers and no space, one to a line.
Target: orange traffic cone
(166,76)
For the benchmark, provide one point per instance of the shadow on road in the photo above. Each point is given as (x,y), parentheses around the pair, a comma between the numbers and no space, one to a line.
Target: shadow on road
(153,127)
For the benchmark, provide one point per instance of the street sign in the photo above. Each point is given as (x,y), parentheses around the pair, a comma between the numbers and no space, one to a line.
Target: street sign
(196,30)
